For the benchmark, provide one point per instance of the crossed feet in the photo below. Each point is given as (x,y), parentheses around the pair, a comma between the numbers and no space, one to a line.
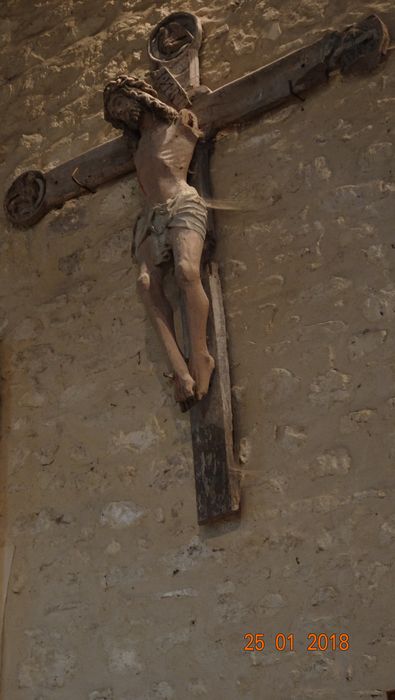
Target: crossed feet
(193,384)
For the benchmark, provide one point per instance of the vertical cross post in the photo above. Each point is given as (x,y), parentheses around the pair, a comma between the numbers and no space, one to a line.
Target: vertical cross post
(173,50)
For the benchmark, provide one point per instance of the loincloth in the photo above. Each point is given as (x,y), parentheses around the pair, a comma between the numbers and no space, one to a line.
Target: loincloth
(187,210)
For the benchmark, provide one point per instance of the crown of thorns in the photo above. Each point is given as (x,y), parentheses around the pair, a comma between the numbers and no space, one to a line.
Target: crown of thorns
(140,91)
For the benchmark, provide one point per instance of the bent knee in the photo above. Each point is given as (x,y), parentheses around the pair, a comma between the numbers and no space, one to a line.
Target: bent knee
(143,282)
(186,272)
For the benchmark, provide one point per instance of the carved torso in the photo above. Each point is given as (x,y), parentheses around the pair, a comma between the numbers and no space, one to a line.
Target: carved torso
(163,157)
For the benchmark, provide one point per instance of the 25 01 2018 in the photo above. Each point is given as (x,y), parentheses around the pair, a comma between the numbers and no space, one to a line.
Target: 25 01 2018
(286,642)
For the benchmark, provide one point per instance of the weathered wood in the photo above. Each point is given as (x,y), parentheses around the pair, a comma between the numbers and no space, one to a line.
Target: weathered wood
(216,476)
(173,49)
(364,43)
(34,193)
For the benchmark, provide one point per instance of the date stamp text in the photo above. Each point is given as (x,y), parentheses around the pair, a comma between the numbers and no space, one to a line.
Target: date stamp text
(287,642)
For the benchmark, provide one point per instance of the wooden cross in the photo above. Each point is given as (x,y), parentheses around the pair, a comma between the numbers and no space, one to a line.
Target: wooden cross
(173,50)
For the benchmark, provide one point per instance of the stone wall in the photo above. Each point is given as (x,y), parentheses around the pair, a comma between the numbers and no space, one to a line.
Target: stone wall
(115,593)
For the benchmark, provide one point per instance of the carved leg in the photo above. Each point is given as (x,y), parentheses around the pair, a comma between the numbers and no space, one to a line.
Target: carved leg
(187,250)
(150,287)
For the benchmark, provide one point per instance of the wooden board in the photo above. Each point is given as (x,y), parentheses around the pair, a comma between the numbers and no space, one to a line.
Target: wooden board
(34,193)
(216,476)
(173,50)
(363,44)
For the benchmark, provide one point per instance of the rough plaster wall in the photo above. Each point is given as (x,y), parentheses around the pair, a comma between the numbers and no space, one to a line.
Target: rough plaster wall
(115,593)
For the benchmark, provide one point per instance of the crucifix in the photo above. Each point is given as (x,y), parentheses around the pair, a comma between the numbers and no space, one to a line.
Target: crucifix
(165,125)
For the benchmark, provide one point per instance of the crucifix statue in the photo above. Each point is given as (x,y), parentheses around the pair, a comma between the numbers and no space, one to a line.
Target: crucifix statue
(168,131)
(172,227)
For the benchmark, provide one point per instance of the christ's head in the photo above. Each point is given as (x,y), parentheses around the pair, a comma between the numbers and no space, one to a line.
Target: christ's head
(127,98)
(123,111)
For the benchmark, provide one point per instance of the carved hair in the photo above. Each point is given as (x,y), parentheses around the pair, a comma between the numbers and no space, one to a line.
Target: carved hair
(140,91)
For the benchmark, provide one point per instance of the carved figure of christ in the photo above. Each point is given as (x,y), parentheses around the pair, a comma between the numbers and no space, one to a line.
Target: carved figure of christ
(172,227)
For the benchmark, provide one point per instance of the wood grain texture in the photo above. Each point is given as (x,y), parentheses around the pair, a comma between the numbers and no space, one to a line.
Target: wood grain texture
(25,206)
(364,43)
(216,476)
(91,169)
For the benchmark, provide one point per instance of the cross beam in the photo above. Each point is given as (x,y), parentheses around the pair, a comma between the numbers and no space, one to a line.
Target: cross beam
(174,55)
(33,194)
(361,46)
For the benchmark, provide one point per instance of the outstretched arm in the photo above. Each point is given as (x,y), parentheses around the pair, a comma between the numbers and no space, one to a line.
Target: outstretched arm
(364,43)
(33,193)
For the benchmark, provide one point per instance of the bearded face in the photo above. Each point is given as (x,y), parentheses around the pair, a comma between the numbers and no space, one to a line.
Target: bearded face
(124,110)
(127,99)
